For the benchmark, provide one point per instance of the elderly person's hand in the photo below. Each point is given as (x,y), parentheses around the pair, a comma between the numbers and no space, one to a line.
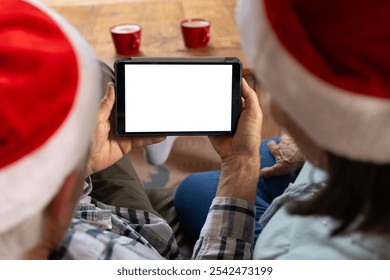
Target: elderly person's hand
(240,160)
(287,155)
(107,148)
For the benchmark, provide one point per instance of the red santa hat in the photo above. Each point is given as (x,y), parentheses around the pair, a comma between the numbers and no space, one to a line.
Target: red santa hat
(50,89)
(327,64)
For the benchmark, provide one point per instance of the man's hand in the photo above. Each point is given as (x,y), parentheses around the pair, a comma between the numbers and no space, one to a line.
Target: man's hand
(107,148)
(240,160)
(287,155)
(247,138)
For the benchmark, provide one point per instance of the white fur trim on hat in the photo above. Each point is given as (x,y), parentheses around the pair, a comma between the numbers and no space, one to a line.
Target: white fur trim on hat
(29,184)
(350,125)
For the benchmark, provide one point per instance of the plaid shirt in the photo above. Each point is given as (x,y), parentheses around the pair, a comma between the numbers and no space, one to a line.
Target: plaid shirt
(106,232)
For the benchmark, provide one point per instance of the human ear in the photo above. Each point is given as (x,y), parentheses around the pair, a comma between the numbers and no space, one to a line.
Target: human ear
(62,206)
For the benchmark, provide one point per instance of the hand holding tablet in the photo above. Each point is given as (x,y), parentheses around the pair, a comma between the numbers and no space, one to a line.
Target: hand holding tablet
(177,96)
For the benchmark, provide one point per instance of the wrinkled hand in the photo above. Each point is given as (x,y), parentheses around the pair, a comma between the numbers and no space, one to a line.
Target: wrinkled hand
(107,148)
(240,160)
(287,155)
(247,138)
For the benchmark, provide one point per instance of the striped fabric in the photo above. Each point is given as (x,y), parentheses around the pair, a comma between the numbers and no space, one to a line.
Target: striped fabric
(101,231)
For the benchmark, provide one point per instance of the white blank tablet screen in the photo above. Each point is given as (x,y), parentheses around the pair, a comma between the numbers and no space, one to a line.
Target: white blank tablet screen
(175,98)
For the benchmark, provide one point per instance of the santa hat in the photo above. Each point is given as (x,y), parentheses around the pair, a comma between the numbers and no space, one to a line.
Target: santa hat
(327,64)
(49,88)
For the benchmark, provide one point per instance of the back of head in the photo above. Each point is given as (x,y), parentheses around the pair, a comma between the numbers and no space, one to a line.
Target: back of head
(326,64)
(49,87)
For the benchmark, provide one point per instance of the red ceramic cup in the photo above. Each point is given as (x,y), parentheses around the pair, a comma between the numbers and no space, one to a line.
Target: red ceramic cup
(126,38)
(196,32)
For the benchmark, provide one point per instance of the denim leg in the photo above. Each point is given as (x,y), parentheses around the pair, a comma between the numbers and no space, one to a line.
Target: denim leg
(193,199)
(271,187)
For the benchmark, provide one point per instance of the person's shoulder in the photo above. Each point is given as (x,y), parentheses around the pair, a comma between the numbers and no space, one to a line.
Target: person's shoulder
(87,241)
(309,237)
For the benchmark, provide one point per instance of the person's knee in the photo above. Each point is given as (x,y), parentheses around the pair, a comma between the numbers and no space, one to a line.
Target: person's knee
(201,180)
(196,187)
(186,188)
(267,159)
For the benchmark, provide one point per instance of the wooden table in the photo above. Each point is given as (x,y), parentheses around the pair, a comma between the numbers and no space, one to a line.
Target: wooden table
(160,22)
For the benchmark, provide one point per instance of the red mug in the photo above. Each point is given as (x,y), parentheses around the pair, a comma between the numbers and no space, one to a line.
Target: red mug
(196,32)
(126,38)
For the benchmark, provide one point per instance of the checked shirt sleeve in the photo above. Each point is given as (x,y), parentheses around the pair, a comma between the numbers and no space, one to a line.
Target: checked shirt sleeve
(228,232)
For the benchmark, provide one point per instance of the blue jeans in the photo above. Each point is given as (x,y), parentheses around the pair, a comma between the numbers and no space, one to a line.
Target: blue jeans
(194,195)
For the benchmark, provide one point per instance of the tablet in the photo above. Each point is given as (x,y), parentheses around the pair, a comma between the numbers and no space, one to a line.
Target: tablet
(177,96)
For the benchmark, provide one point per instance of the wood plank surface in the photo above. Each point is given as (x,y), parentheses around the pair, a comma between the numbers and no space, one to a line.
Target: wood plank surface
(160,22)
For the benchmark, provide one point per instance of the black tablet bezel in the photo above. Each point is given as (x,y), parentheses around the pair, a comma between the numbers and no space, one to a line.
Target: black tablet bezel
(120,92)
